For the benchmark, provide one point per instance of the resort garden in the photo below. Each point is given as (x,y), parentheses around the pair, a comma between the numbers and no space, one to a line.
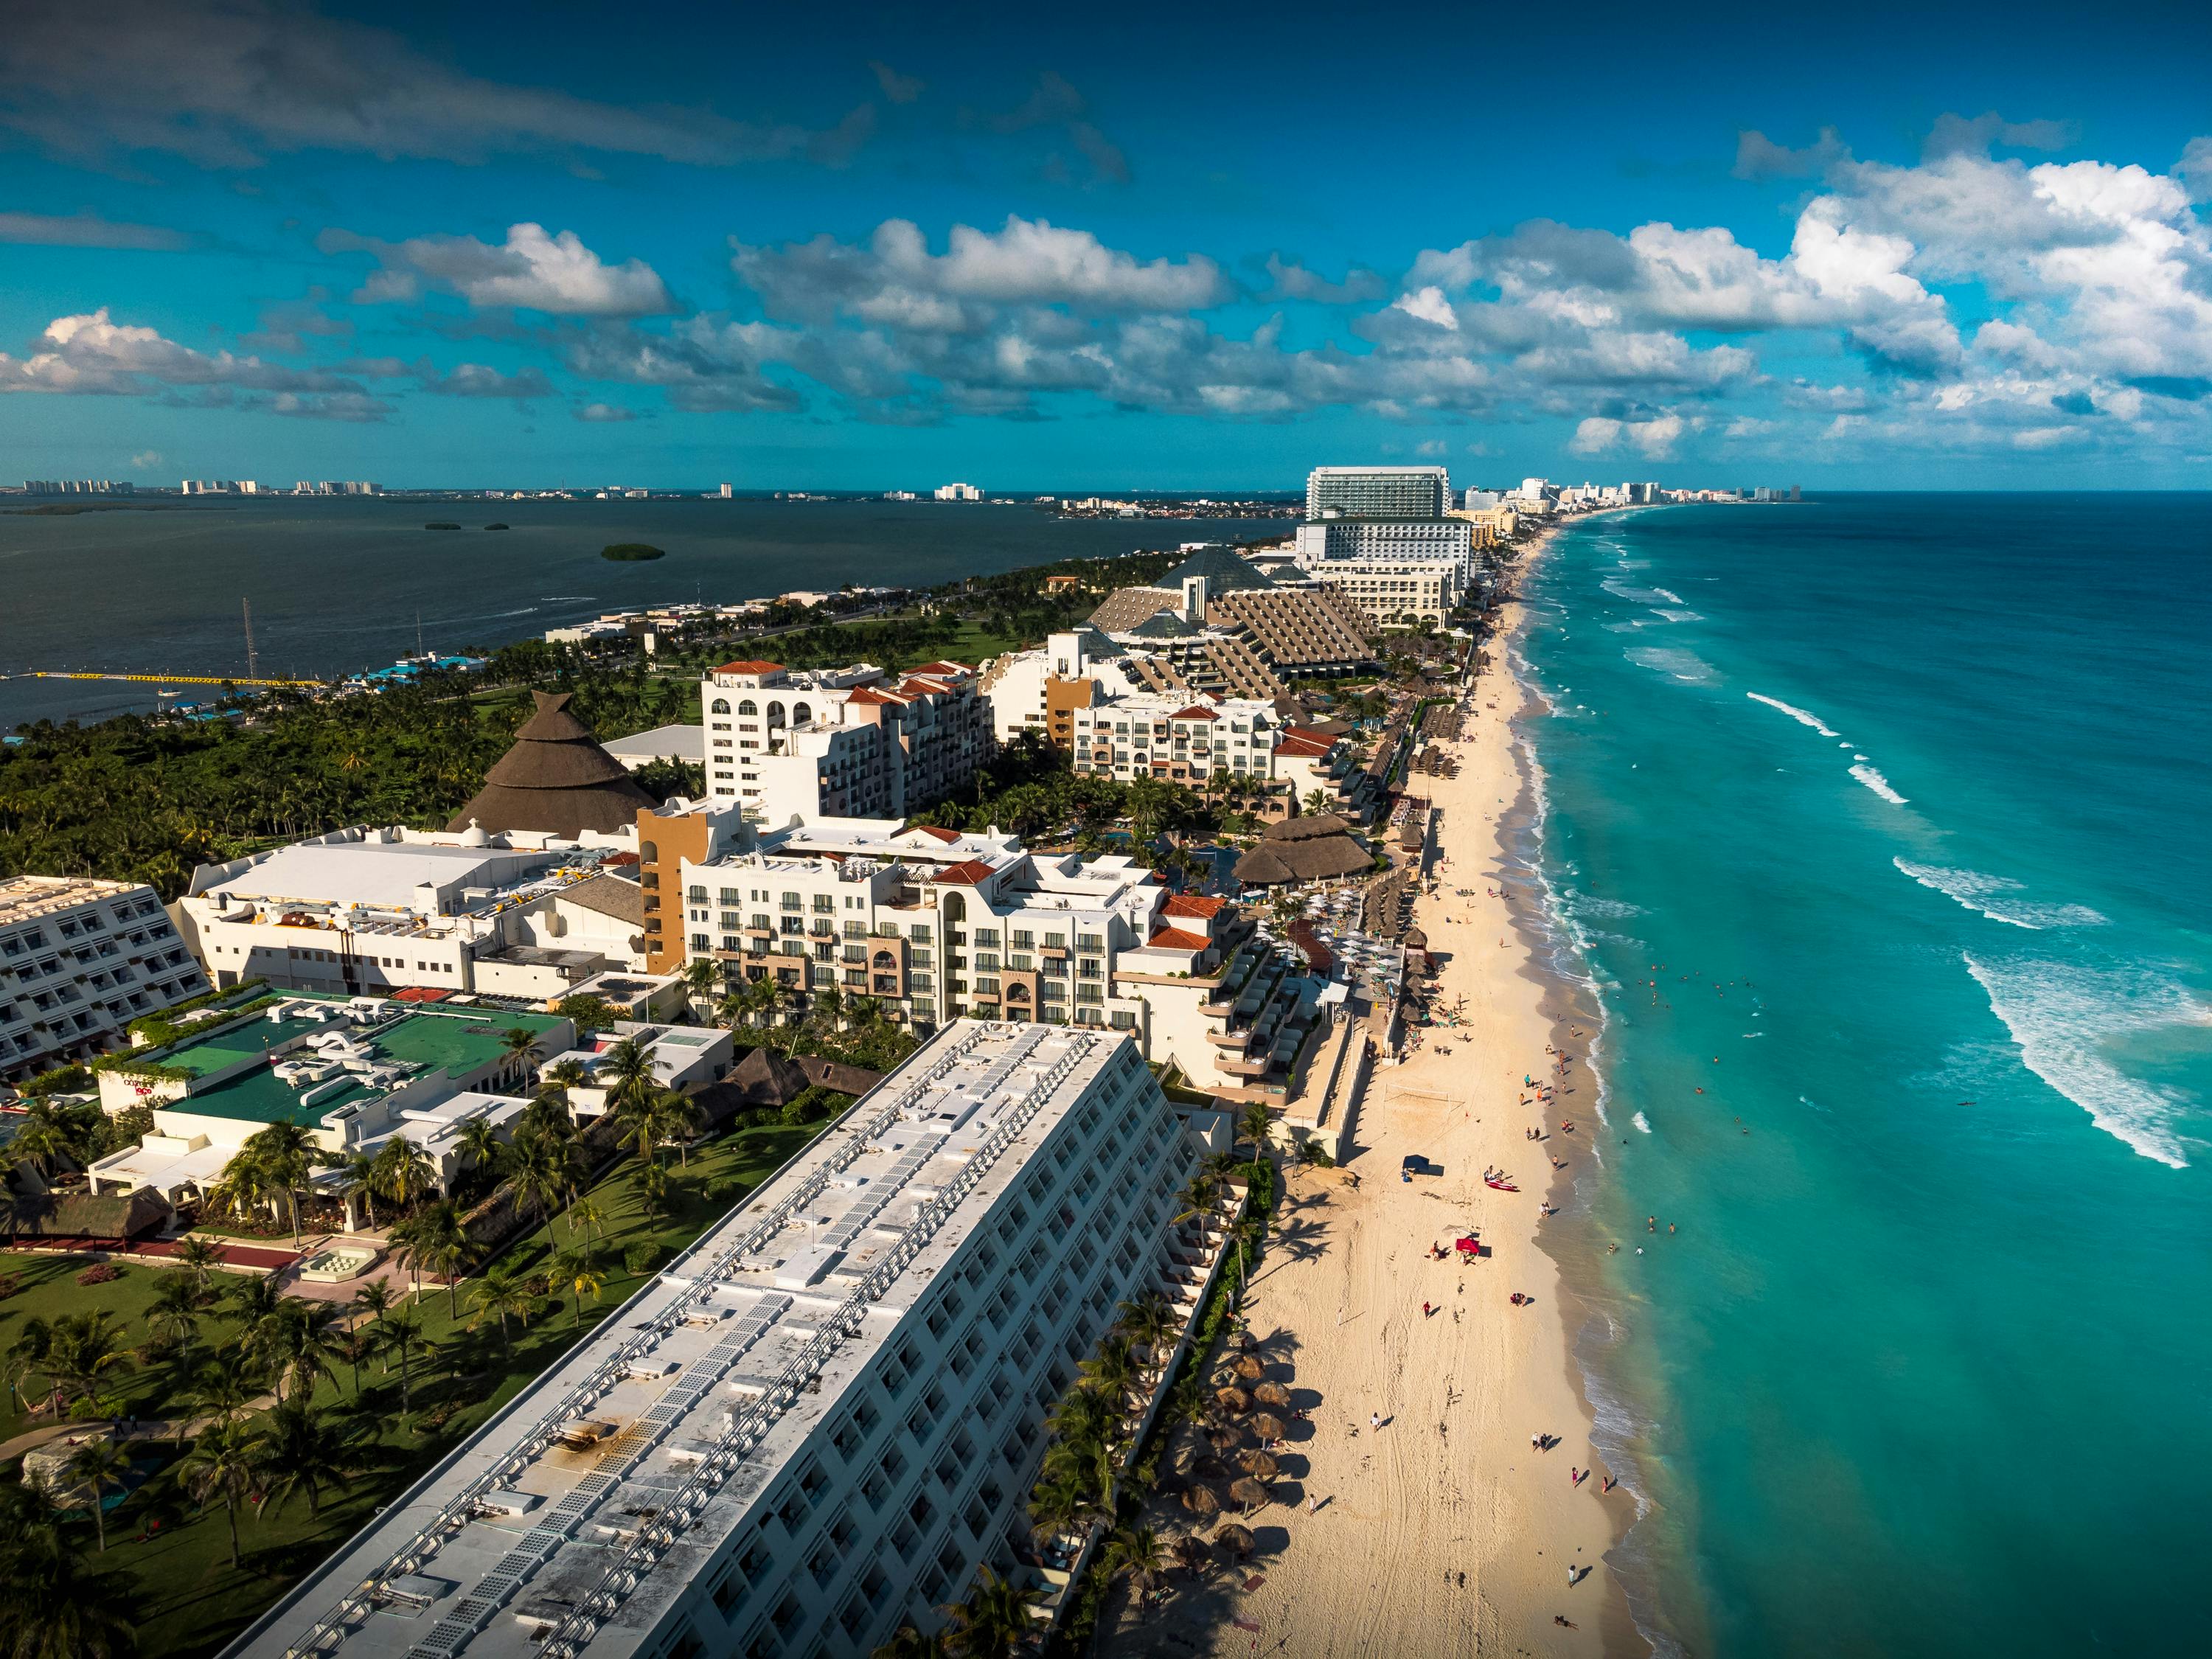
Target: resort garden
(199,1436)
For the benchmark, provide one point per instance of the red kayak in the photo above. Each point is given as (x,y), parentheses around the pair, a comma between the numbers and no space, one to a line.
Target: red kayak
(1502,1186)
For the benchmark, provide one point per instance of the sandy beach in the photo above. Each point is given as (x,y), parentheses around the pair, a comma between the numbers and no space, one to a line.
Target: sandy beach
(1444,1531)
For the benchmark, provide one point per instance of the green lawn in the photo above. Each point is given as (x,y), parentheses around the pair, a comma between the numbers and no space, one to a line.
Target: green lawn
(50,1290)
(189,1600)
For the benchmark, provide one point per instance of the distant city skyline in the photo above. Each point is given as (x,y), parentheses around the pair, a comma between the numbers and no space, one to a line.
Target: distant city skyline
(882,250)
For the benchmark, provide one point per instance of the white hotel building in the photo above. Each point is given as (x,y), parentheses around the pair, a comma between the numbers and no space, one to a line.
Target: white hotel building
(80,959)
(818,1423)
(841,743)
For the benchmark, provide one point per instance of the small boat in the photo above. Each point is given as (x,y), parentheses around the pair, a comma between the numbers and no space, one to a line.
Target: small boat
(1502,1186)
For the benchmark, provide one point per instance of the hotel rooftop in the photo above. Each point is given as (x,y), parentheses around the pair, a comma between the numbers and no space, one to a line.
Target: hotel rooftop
(707,1407)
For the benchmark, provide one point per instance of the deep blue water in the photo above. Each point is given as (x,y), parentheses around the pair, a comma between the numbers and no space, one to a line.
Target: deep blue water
(1908,1039)
(343,584)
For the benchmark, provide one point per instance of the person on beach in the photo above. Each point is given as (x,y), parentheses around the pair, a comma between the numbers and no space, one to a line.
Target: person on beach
(1375,1421)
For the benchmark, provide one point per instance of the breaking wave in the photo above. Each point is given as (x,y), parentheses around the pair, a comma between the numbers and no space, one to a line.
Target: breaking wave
(1879,784)
(1803,717)
(2061,1015)
(1988,896)
(1685,665)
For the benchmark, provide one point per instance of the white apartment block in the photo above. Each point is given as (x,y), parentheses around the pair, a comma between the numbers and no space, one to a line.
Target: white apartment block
(1034,691)
(958,492)
(1378,492)
(368,911)
(784,744)
(1389,589)
(822,1419)
(1404,539)
(80,959)
(1178,739)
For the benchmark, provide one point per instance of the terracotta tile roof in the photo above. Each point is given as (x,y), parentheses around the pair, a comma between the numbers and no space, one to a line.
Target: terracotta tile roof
(941,667)
(1175,939)
(1315,732)
(868,693)
(1193,904)
(750,668)
(1197,711)
(969,872)
(934,833)
(1298,746)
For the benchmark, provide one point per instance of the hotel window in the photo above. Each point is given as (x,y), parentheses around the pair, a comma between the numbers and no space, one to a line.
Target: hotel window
(700,942)
(794,901)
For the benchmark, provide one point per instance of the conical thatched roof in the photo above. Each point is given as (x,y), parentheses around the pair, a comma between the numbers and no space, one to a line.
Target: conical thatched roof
(1272,1393)
(1308,826)
(555,780)
(1235,1539)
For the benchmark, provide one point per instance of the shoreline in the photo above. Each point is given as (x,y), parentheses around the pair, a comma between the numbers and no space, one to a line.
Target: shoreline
(1437,1523)
(1570,1003)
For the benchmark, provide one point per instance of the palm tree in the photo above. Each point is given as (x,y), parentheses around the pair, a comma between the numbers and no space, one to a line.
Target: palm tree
(42,1140)
(304,1339)
(480,1144)
(678,1119)
(372,1299)
(1150,1321)
(1059,1505)
(83,1351)
(198,1258)
(541,1173)
(222,1463)
(436,1240)
(301,1448)
(358,1178)
(283,1156)
(174,1318)
(1254,1126)
(587,1215)
(504,1292)
(1137,1552)
(638,1117)
(521,1047)
(995,1621)
(626,1069)
(104,1466)
(217,1391)
(402,1328)
(702,977)
(354,1346)
(52,1605)
(404,1171)
(576,1269)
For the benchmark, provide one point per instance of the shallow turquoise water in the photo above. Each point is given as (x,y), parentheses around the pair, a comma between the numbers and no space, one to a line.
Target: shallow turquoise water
(1924,1368)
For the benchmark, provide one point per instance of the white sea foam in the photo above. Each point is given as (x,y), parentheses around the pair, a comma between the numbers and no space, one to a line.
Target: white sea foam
(1642,1122)
(1687,665)
(1605,909)
(2063,1015)
(1879,784)
(1682,616)
(1801,716)
(1668,595)
(1989,895)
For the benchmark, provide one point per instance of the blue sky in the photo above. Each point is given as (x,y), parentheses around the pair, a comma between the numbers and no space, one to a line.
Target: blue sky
(868,248)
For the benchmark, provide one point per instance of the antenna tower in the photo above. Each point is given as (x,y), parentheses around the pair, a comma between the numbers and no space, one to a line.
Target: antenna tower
(252,672)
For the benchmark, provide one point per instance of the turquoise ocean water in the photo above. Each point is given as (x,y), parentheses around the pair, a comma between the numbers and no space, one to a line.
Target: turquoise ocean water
(1886,822)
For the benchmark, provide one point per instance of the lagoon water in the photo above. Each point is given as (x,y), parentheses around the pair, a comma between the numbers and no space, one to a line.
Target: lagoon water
(1879,827)
(337,584)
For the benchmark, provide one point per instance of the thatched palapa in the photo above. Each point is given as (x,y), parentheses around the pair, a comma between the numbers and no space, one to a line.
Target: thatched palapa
(556,781)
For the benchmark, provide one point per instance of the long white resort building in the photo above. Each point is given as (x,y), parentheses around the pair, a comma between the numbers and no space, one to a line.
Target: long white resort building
(817,1422)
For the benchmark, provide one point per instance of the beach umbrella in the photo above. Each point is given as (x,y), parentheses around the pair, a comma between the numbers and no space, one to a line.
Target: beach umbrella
(1201,1500)
(1259,1465)
(1248,1493)
(1234,1400)
(1272,1393)
(1266,1426)
(1237,1540)
(1190,1550)
(1224,1436)
(1249,1369)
